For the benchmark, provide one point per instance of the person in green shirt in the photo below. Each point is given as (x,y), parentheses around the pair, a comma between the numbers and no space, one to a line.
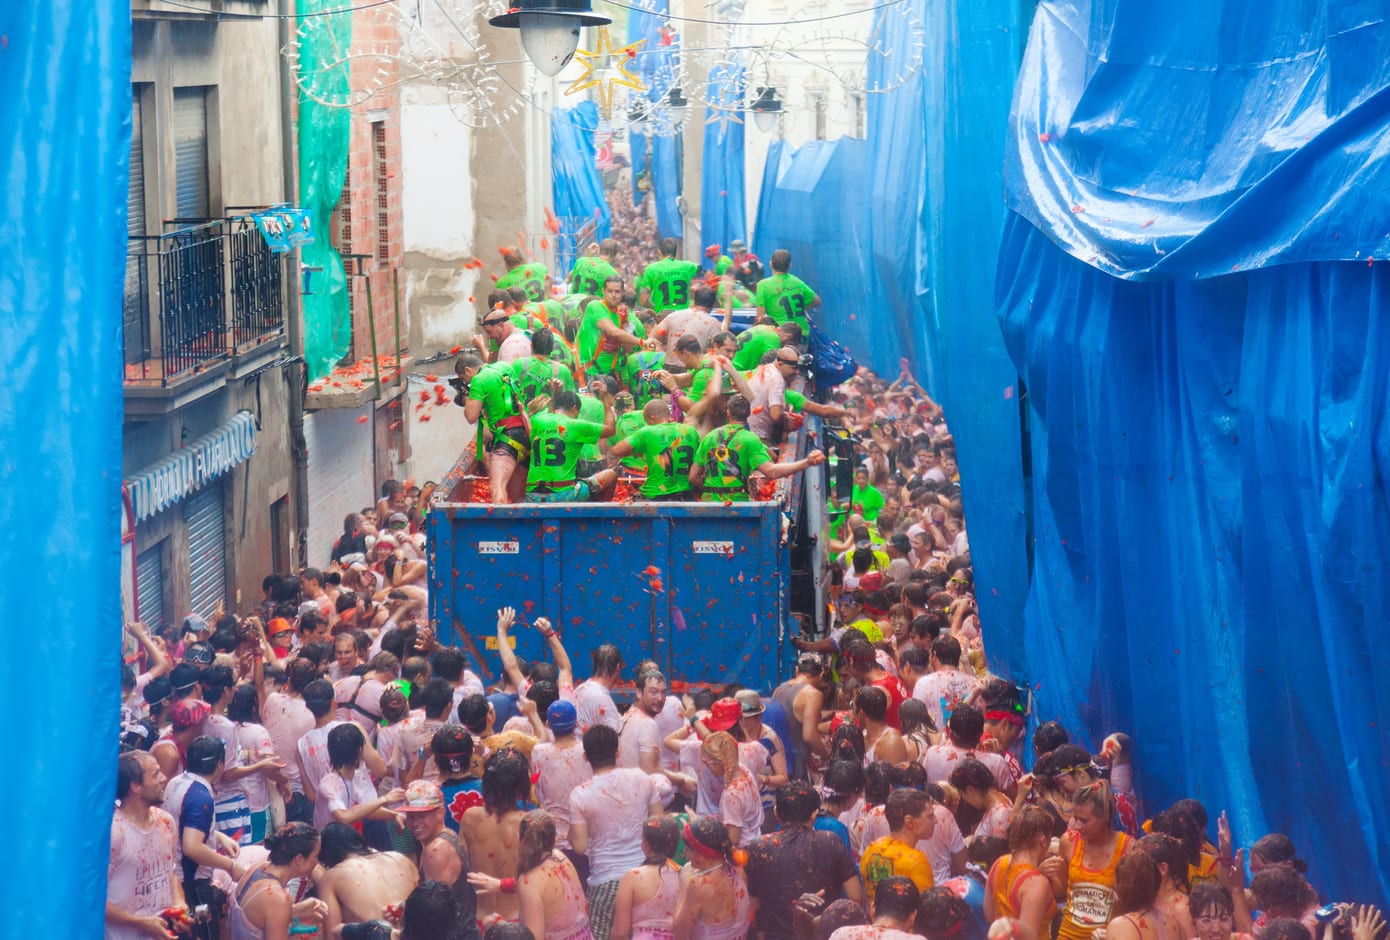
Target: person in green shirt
(665,283)
(591,400)
(761,338)
(491,402)
(641,377)
(729,456)
(557,437)
(864,498)
(590,271)
(538,373)
(530,276)
(667,450)
(607,331)
(784,296)
(630,420)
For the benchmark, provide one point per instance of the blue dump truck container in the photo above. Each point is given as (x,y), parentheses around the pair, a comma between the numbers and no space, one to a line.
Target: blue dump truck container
(701,588)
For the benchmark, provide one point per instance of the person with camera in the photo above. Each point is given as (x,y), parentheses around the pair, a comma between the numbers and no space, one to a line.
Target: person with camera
(489,393)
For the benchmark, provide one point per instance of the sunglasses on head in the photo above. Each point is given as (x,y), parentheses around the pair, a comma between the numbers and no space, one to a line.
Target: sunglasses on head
(495,321)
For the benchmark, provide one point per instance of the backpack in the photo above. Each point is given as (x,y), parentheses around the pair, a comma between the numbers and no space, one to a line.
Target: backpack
(833,362)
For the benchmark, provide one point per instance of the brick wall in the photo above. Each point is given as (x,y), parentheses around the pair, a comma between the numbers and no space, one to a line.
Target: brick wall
(374,184)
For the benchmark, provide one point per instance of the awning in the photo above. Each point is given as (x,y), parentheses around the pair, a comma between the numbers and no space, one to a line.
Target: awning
(164,483)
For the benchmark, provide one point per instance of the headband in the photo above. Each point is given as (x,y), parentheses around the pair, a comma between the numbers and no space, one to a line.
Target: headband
(1000,715)
(694,840)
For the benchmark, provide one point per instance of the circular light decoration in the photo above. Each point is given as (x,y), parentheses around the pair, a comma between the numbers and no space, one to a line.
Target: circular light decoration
(338,75)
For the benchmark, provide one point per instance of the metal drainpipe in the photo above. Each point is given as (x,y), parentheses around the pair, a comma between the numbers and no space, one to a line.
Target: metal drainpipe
(296,375)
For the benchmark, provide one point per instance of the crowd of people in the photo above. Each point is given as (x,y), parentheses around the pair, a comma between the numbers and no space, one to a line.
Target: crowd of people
(325,765)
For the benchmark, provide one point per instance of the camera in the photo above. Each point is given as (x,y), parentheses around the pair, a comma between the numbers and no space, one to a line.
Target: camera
(460,391)
(806,365)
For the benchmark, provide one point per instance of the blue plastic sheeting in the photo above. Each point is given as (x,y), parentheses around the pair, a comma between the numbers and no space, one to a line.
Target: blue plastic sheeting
(723,216)
(1209,463)
(1209,453)
(64,162)
(577,187)
(1230,137)
(658,67)
(910,272)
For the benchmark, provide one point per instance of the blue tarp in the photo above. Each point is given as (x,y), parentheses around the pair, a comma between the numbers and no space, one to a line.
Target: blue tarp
(912,274)
(658,66)
(64,160)
(1206,349)
(723,216)
(577,187)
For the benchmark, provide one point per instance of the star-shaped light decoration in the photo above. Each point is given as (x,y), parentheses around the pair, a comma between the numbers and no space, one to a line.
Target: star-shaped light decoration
(597,64)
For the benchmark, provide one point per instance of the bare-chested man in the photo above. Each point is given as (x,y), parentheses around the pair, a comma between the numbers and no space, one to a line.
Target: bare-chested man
(443,856)
(492,831)
(356,882)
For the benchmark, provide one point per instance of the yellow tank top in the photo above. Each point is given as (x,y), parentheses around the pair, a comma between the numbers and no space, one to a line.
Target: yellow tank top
(1090,893)
(1006,877)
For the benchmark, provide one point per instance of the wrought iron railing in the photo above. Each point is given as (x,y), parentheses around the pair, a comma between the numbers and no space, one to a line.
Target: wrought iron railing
(199,294)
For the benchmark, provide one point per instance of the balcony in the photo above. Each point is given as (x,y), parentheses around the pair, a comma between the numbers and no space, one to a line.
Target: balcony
(201,302)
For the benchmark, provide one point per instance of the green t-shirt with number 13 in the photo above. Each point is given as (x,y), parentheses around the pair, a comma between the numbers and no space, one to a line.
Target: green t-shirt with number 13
(669,281)
(785,297)
(556,442)
(669,450)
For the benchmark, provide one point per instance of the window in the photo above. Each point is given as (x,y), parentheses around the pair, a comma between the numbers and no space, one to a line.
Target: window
(191,154)
(135,194)
(383,192)
(134,319)
(280,535)
(860,115)
(818,108)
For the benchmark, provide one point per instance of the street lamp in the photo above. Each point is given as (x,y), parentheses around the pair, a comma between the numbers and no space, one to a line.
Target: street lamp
(550,29)
(766,108)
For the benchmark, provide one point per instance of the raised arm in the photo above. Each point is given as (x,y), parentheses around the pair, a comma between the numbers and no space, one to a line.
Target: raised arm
(557,650)
(505,618)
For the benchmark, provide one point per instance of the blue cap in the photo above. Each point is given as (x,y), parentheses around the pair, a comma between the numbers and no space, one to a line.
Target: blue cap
(561,716)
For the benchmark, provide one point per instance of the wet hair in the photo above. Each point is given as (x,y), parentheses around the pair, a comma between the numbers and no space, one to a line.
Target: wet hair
(564,401)
(723,749)
(847,743)
(1070,757)
(873,702)
(896,897)
(601,746)
(842,913)
(413,667)
(930,625)
(947,650)
(797,802)
(447,663)
(129,771)
(970,772)
(1179,824)
(845,777)
(878,782)
(1280,891)
(1099,797)
(1028,824)
(940,913)
(318,697)
(544,693)
(711,835)
(245,705)
(985,851)
(431,911)
(299,673)
(1001,695)
(689,344)
(902,804)
(739,408)
(384,662)
(506,781)
(535,840)
(607,660)
(1136,883)
(452,747)
(309,621)
(1196,810)
(661,838)
(1209,898)
(1047,737)
(341,841)
(204,753)
(1277,849)
(1285,928)
(472,713)
(290,842)
(913,715)
(967,725)
(223,641)
(544,672)
(912,775)
(216,681)
(1166,850)
(508,930)
(345,745)
(435,697)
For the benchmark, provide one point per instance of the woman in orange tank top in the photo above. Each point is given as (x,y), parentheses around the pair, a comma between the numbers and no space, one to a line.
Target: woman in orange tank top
(1084,870)
(1016,888)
